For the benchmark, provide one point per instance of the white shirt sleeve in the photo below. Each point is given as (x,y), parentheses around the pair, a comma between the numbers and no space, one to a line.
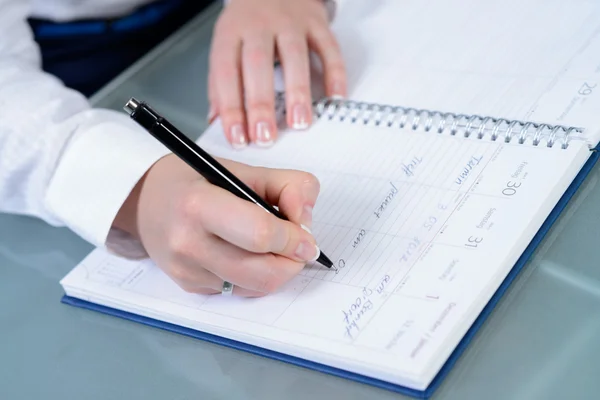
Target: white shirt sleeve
(60,160)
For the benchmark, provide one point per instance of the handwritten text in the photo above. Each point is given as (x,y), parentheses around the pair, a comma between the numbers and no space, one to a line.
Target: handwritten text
(384,204)
(412,246)
(409,168)
(357,310)
(359,238)
(466,171)
(362,305)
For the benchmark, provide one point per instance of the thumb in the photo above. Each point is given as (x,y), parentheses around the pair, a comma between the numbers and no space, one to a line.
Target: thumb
(248,227)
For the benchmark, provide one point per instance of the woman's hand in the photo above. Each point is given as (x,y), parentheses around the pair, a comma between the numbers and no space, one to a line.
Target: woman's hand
(248,37)
(201,235)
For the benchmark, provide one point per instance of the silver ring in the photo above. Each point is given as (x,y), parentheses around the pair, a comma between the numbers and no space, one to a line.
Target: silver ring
(227,289)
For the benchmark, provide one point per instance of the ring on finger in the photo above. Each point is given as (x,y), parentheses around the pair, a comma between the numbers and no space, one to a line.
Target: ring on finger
(227,289)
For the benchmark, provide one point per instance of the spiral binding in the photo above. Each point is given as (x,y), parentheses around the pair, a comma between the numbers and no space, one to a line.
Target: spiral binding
(440,122)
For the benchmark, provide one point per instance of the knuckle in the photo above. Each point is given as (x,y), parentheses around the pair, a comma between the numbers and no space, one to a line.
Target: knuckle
(258,106)
(286,21)
(257,58)
(335,74)
(222,26)
(263,235)
(230,111)
(336,69)
(189,205)
(268,282)
(179,244)
(176,241)
(329,44)
(299,90)
(319,14)
(230,114)
(295,47)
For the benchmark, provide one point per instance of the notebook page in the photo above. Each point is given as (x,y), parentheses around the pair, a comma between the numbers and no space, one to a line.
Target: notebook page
(519,59)
(423,228)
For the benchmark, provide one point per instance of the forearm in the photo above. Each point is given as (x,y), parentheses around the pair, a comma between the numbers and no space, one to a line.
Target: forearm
(61,160)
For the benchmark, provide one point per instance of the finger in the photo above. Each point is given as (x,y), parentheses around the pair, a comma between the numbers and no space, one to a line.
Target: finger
(258,75)
(294,192)
(293,51)
(252,274)
(245,225)
(323,42)
(194,278)
(225,70)
(212,100)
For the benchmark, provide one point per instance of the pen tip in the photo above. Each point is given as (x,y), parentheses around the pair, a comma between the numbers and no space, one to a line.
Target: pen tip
(323,259)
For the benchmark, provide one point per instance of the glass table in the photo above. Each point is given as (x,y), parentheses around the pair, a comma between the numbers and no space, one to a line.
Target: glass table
(541,342)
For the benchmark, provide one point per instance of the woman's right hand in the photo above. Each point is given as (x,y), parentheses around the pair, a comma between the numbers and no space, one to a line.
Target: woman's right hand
(201,235)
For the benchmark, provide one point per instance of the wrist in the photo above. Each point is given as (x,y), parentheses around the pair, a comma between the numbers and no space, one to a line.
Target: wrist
(330,6)
(126,219)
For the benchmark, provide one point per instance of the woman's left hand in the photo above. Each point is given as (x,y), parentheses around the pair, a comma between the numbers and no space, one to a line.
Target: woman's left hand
(248,37)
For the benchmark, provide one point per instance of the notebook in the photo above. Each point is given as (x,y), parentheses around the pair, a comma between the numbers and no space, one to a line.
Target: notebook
(469,126)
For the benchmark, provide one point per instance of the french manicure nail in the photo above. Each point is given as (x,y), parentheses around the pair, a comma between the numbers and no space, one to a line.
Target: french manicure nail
(299,117)
(307,251)
(264,136)
(238,138)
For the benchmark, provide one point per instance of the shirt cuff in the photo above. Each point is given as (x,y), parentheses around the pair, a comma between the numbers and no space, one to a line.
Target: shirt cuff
(96,172)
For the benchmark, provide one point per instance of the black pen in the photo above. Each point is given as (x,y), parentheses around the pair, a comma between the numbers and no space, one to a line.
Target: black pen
(198,159)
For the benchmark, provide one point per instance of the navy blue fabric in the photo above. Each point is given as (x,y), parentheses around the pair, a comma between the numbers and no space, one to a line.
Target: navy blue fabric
(86,55)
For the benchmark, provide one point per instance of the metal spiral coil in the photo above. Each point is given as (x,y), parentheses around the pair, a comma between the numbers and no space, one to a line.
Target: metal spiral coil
(440,122)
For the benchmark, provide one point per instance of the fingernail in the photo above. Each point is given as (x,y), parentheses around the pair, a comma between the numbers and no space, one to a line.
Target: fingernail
(307,251)
(264,136)
(300,117)
(306,217)
(238,138)
(306,228)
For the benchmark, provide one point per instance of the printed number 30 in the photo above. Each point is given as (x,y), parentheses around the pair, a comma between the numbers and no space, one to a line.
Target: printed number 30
(511,188)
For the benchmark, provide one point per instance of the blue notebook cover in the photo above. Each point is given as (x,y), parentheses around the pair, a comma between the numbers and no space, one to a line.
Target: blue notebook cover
(425,394)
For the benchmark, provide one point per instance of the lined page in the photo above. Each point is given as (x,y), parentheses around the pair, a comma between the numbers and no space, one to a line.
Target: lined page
(422,227)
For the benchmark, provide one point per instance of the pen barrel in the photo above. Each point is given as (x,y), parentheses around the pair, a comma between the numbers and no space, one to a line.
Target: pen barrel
(191,153)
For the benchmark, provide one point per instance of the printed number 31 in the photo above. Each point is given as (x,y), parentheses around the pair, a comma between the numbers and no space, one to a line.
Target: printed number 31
(473,241)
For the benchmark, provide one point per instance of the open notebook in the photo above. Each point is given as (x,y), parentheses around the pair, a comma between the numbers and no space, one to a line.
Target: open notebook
(428,215)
